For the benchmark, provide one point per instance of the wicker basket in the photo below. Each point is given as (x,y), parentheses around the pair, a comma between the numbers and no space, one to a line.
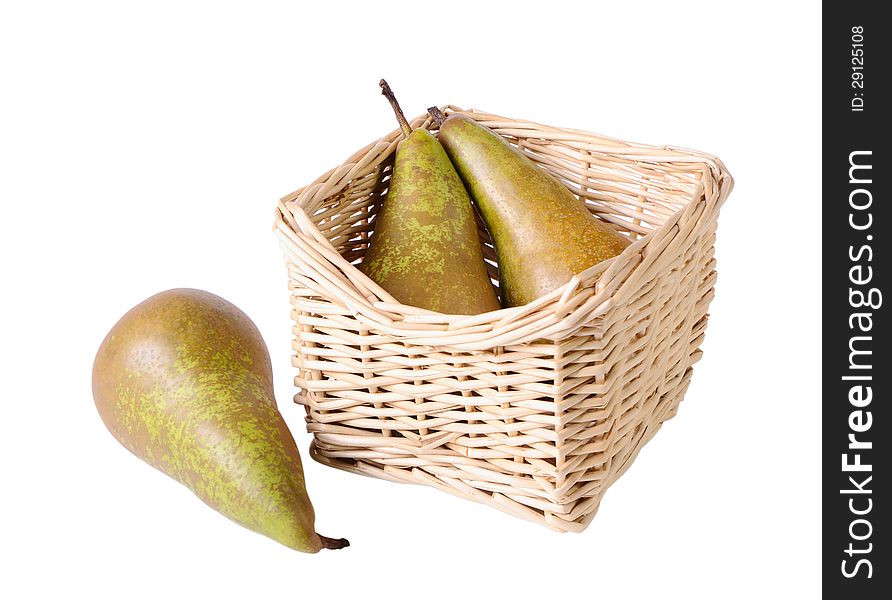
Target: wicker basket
(534,410)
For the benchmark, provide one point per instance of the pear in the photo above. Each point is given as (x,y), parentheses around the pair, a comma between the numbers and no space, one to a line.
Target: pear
(543,235)
(184,382)
(425,250)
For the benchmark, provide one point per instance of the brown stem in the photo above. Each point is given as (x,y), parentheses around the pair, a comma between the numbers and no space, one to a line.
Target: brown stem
(437,115)
(388,93)
(333,544)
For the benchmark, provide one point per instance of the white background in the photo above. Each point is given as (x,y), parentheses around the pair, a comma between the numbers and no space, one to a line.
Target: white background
(144,148)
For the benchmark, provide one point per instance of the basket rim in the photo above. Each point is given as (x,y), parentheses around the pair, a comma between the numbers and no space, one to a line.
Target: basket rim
(587,295)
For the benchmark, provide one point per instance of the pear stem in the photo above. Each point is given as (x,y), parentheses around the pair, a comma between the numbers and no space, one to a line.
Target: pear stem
(333,544)
(437,115)
(388,93)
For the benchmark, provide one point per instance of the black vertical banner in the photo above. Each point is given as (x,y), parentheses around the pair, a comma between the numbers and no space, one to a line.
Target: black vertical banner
(857,224)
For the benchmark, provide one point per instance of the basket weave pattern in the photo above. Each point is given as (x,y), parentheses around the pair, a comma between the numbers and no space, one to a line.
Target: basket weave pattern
(537,409)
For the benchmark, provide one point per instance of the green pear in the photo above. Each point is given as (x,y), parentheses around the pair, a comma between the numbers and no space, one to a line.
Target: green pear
(425,250)
(543,234)
(184,382)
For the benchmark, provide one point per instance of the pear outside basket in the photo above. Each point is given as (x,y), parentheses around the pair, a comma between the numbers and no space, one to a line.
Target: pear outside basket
(534,410)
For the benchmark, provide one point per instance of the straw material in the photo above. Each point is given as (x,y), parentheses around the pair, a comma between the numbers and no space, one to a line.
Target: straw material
(534,410)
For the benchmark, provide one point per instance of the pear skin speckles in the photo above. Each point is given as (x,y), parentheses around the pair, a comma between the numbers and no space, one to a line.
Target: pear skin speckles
(184,382)
(425,249)
(543,235)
